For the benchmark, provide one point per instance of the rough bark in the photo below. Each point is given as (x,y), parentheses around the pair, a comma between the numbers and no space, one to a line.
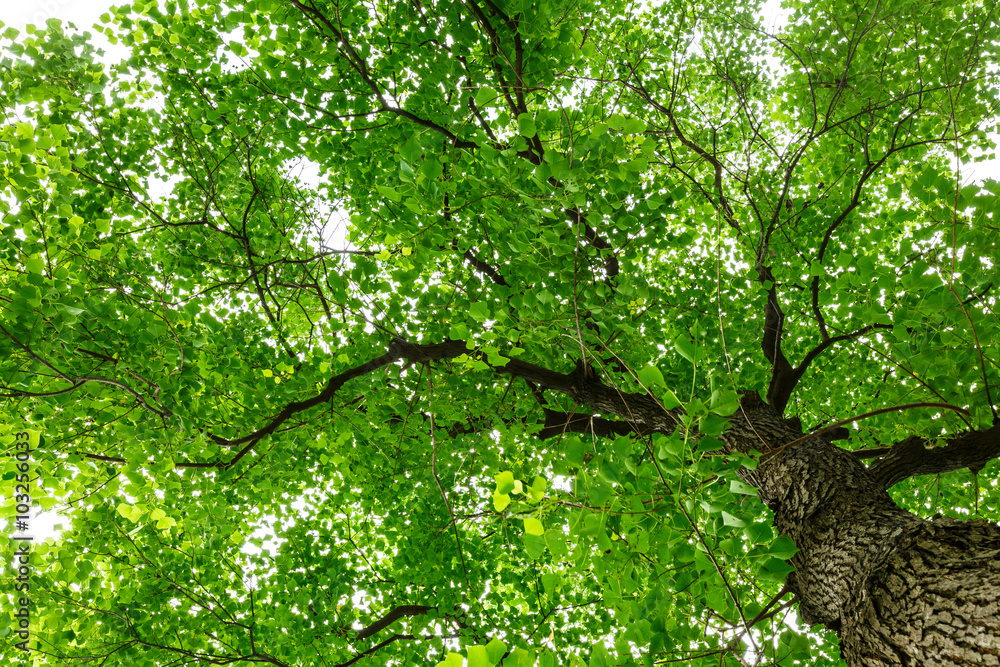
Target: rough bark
(932,601)
(972,450)
(899,590)
(843,522)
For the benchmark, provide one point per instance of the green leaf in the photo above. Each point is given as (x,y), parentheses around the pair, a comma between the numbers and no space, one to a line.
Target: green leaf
(534,545)
(477,657)
(526,125)
(452,660)
(165,523)
(686,349)
(389,193)
(637,165)
(485,96)
(783,548)
(500,501)
(712,425)
(669,400)
(724,402)
(633,125)
(35,264)
(533,526)
(732,520)
(495,650)
(775,569)
(551,582)
(537,489)
(650,376)
(505,481)
(845,260)
(479,311)
(736,486)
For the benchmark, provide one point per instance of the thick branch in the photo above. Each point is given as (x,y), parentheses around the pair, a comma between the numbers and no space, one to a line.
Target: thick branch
(783,376)
(496,53)
(557,423)
(483,267)
(611,266)
(332,387)
(753,426)
(392,616)
(912,457)
(828,342)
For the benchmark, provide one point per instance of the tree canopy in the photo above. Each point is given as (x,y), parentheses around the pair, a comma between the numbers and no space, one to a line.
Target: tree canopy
(425,332)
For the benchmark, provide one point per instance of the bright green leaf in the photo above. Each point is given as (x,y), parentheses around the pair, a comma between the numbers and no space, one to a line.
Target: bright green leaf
(533,526)
(650,376)
(526,125)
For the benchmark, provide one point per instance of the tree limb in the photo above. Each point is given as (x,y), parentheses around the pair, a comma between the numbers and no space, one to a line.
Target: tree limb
(783,376)
(912,457)
(557,423)
(392,616)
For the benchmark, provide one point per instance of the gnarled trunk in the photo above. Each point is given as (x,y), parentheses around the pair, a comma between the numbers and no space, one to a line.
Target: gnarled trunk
(932,601)
(899,590)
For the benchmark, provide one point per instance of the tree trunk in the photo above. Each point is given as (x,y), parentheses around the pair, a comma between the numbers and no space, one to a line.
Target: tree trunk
(899,590)
(933,601)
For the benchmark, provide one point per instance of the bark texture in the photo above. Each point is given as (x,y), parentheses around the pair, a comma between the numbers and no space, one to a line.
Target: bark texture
(933,600)
(843,522)
(900,590)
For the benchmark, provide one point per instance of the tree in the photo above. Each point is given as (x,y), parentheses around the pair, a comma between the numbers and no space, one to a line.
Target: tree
(605,333)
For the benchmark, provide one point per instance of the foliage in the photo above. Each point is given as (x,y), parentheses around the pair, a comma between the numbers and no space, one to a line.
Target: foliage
(210,247)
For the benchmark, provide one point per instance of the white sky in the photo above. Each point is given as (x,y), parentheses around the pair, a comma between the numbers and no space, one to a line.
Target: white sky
(84,13)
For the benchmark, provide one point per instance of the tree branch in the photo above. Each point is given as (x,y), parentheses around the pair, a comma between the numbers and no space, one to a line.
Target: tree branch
(783,376)
(604,249)
(838,426)
(912,457)
(481,266)
(392,616)
(829,342)
(360,66)
(557,423)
